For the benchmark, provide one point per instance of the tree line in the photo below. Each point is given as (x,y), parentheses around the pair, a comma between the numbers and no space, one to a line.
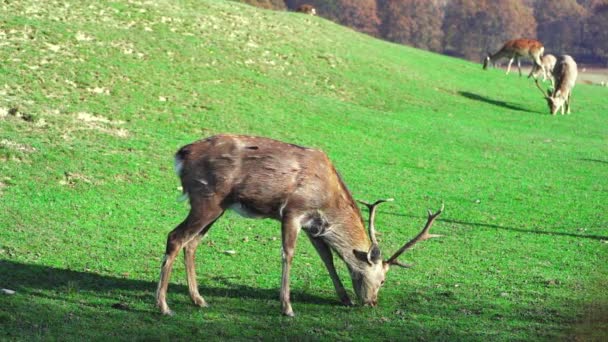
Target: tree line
(472,28)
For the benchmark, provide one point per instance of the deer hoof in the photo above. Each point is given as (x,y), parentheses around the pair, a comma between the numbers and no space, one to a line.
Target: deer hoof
(200,302)
(347,302)
(167,312)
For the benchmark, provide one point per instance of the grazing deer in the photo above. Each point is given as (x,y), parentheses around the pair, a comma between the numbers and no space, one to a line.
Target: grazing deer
(298,186)
(306,9)
(548,62)
(513,49)
(565,74)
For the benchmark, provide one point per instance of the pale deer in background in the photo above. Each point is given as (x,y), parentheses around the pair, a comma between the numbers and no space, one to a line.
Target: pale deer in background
(548,62)
(298,186)
(565,74)
(516,48)
(306,9)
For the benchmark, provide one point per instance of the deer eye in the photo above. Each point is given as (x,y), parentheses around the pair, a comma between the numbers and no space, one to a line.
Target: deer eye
(382,283)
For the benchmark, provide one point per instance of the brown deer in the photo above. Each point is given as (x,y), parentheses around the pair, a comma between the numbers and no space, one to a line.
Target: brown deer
(516,48)
(306,9)
(565,74)
(298,186)
(548,62)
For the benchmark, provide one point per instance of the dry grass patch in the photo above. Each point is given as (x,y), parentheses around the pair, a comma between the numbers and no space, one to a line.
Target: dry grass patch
(102,124)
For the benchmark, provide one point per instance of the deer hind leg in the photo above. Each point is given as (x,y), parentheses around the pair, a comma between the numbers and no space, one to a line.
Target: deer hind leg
(509,66)
(534,69)
(327,257)
(189,254)
(518,65)
(289,233)
(539,64)
(197,222)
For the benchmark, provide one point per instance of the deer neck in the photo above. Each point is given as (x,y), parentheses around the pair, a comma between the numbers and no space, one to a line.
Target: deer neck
(346,233)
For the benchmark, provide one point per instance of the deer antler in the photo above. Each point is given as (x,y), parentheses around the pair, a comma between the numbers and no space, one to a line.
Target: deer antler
(545,94)
(372,215)
(423,235)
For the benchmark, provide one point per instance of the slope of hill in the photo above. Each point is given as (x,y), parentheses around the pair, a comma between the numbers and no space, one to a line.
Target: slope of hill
(95,99)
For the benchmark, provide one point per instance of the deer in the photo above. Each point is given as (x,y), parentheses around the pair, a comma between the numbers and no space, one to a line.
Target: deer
(548,62)
(298,186)
(516,48)
(306,9)
(565,74)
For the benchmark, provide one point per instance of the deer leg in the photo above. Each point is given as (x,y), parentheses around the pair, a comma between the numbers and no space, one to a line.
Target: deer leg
(568,103)
(509,66)
(532,73)
(518,65)
(189,254)
(327,257)
(539,64)
(289,233)
(196,222)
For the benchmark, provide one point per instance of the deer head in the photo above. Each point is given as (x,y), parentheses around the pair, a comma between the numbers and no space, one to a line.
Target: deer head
(367,283)
(554,100)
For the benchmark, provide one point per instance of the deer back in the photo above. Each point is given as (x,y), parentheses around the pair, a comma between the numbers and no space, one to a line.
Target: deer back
(261,177)
(565,74)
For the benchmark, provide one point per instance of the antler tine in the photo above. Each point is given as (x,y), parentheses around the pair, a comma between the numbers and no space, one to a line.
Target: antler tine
(423,235)
(372,215)
(545,94)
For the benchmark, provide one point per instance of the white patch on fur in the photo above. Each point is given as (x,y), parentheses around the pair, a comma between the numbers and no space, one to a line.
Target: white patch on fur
(183,197)
(282,208)
(179,165)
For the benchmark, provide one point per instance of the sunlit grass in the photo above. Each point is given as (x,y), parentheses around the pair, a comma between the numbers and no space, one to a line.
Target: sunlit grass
(95,98)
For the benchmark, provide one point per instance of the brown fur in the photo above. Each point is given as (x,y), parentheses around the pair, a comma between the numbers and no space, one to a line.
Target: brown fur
(516,48)
(307,9)
(565,74)
(265,178)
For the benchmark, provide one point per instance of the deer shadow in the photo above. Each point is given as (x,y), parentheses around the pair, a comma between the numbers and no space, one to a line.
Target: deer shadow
(507,105)
(594,160)
(45,281)
(515,229)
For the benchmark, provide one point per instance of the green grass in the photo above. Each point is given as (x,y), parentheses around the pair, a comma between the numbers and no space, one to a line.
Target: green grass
(96,98)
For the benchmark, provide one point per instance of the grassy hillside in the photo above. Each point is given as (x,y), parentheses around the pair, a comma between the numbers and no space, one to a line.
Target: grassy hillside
(96,98)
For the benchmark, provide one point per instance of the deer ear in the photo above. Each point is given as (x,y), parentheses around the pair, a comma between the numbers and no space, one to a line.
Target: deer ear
(362,256)
(374,254)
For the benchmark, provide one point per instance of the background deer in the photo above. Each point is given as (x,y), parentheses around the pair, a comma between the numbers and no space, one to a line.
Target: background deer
(548,62)
(298,186)
(565,74)
(307,9)
(516,48)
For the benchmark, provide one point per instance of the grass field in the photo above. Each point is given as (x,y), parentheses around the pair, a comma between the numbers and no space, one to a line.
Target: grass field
(96,97)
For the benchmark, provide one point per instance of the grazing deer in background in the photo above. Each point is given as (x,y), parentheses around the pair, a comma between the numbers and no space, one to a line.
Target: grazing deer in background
(565,74)
(298,186)
(548,62)
(516,48)
(306,9)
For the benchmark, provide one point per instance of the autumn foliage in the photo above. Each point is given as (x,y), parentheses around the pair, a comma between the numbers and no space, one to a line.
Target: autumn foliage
(472,28)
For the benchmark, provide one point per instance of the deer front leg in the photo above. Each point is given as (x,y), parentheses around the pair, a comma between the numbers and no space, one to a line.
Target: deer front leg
(289,232)
(326,255)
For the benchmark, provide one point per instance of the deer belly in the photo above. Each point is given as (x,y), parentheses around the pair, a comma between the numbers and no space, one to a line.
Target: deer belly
(245,211)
